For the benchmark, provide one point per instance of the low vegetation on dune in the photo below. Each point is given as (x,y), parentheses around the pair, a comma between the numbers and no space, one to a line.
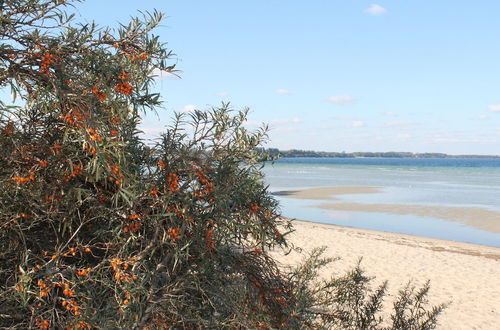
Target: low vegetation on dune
(100,230)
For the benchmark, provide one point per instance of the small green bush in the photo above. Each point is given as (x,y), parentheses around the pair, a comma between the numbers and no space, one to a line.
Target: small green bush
(348,302)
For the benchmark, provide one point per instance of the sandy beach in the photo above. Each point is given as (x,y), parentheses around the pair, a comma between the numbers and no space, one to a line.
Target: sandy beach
(466,275)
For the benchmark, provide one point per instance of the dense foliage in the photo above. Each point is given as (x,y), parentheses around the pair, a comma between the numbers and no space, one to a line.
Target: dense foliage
(100,230)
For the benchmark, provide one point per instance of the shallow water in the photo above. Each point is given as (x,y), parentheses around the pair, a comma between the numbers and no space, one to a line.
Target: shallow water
(441,182)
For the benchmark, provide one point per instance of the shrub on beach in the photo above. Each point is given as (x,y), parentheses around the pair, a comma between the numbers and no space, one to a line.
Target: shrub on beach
(99,229)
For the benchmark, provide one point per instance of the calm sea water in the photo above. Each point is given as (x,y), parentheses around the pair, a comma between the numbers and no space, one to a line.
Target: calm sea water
(447,182)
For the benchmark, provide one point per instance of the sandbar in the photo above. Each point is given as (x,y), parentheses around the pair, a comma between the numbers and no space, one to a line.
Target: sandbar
(476,217)
(326,193)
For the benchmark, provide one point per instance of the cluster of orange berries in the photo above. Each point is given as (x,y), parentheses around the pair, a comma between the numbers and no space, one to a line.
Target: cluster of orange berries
(174,234)
(126,301)
(117,174)
(115,120)
(120,267)
(254,208)
(135,224)
(77,170)
(82,325)
(47,60)
(138,57)
(83,271)
(210,240)
(42,324)
(202,178)
(173,182)
(67,291)
(74,118)
(71,305)
(71,253)
(44,288)
(45,324)
(20,179)
(100,95)
(123,86)
(94,135)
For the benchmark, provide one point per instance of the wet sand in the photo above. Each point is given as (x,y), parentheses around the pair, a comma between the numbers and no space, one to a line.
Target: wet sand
(326,193)
(471,216)
(465,274)
(480,218)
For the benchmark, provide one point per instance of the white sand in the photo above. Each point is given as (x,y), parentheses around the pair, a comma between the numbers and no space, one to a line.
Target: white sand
(467,275)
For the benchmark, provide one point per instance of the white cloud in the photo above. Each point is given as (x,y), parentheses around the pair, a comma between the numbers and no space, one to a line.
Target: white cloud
(494,107)
(483,117)
(221,94)
(160,74)
(404,136)
(358,123)
(398,123)
(253,123)
(390,114)
(285,129)
(345,118)
(150,130)
(375,10)
(285,121)
(342,99)
(282,91)
(188,108)
(462,140)
(276,124)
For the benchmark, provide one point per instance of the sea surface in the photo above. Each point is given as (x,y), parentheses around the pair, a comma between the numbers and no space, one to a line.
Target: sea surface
(468,182)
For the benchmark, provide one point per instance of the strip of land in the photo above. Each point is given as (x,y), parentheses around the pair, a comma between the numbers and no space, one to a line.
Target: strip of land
(327,193)
(465,274)
(480,218)
(471,216)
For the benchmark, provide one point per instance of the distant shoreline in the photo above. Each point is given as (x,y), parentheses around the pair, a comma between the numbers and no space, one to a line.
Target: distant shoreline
(295,153)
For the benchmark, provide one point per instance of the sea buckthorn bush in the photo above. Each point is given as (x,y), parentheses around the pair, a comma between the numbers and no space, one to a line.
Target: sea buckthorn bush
(99,229)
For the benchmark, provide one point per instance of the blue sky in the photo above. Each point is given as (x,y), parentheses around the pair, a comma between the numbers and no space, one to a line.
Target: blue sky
(420,76)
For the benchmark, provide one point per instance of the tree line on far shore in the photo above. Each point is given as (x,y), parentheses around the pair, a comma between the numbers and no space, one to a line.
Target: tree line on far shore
(295,153)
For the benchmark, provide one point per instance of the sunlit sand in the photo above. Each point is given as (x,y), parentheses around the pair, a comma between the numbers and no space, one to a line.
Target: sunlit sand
(465,274)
